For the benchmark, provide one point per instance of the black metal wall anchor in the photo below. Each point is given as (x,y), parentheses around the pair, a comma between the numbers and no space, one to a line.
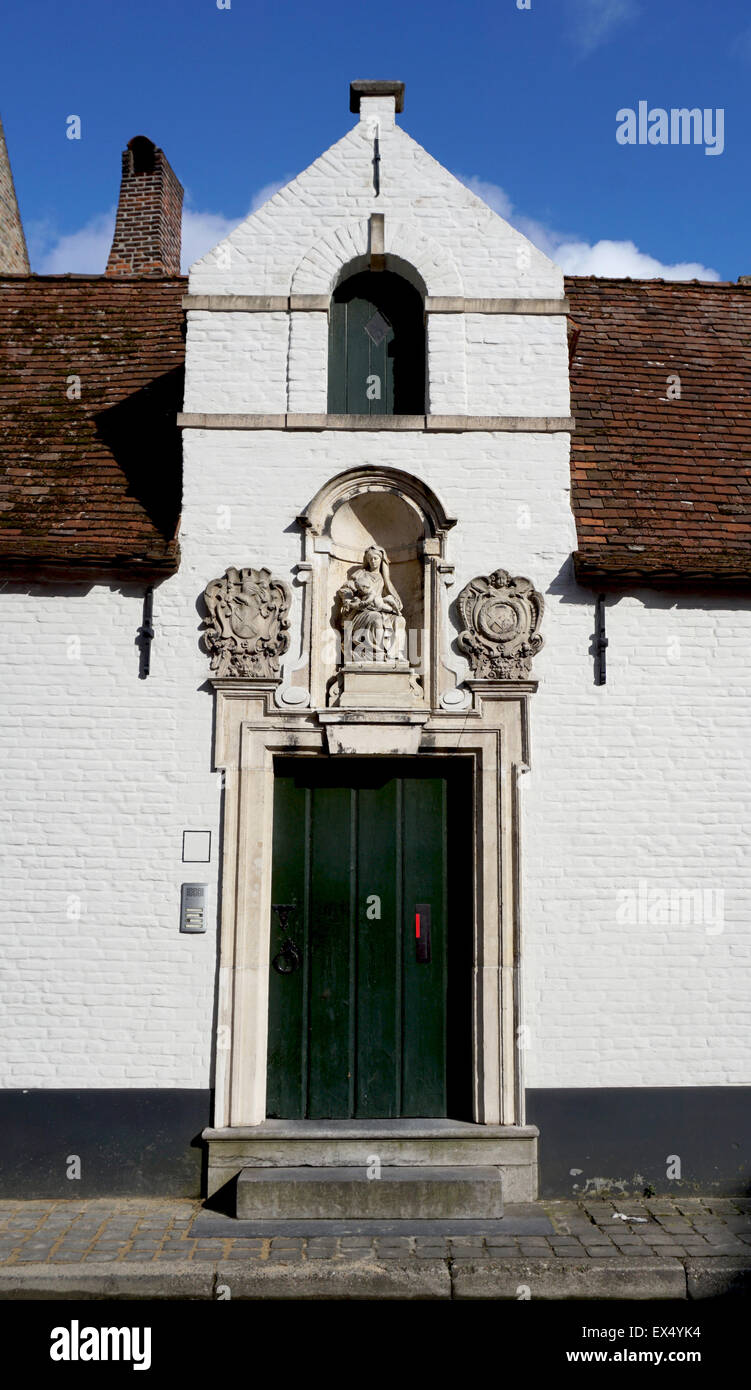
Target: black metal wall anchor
(601,641)
(288,958)
(146,634)
(376,166)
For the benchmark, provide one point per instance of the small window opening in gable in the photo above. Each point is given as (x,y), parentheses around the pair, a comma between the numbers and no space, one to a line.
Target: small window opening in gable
(376,346)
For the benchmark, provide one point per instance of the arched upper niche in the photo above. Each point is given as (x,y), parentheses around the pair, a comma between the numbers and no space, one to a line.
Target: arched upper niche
(382,518)
(376,478)
(344,249)
(398,514)
(377,359)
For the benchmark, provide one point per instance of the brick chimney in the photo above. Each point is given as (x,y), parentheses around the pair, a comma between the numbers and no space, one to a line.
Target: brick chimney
(147,231)
(14,259)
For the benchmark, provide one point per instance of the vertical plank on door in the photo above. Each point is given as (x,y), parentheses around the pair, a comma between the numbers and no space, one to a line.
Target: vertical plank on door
(424,985)
(379,955)
(330,1003)
(286,1085)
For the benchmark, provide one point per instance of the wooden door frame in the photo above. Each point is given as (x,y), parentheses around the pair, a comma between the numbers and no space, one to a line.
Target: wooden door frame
(250,731)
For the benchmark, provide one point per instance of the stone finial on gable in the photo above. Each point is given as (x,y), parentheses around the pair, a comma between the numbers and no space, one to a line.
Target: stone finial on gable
(376,100)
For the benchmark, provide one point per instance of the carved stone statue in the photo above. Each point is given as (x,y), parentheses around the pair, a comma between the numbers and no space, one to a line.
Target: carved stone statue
(370,612)
(247,625)
(501,618)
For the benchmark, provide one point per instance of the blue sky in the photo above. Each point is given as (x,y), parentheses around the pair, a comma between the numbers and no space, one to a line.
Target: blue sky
(521,101)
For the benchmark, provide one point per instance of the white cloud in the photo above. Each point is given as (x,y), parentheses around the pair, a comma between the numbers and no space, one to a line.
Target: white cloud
(491,193)
(594,21)
(623,258)
(201,232)
(578,257)
(85,252)
(268,191)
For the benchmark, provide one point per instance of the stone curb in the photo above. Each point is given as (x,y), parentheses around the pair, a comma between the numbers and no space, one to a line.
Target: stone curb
(373,1279)
(554,1279)
(713,1276)
(131,1280)
(420,1279)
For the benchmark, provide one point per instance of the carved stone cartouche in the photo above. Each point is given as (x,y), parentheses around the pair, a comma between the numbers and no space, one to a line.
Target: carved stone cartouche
(247,627)
(501,618)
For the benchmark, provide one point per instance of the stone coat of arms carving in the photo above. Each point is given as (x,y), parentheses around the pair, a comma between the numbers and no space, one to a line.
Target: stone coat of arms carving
(501,618)
(247,627)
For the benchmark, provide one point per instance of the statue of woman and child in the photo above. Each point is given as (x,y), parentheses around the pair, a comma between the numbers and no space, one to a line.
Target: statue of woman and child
(371,612)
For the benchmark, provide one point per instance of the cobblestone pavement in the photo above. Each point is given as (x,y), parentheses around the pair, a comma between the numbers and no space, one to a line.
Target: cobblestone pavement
(121,1231)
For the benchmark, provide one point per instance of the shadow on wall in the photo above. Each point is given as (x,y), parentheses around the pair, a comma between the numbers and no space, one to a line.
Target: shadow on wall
(141,435)
(686,597)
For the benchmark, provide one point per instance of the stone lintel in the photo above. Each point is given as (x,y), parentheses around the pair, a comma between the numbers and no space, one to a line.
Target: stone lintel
(524,424)
(257,303)
(433,424)
(459,305)
(373,733)
(319,303)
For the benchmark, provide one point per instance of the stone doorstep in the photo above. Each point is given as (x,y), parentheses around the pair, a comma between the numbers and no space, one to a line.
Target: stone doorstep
(404,1193)
(512,1150)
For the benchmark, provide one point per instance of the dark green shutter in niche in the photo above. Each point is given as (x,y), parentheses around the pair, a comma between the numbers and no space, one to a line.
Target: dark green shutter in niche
(362,1029)
(376,347)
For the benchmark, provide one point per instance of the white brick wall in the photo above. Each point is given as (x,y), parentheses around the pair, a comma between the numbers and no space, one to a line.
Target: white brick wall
(237,362)
(517,364)
(100,774)
(637,876)
(640,782)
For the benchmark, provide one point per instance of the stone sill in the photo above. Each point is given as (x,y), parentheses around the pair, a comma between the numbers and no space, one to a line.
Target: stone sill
(431,424)
(319,303)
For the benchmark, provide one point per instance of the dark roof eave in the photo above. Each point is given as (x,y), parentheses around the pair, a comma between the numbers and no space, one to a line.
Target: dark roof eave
(718,573)
(26,566)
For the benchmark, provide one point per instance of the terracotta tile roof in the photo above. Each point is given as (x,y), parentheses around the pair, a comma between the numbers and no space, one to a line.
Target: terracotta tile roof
(90,484)
(661,488)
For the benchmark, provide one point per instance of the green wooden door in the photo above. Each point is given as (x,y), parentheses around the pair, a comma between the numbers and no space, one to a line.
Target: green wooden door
(360,1021)
(376,347)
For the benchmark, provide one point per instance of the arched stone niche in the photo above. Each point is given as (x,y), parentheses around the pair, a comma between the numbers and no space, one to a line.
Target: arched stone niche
(397,514)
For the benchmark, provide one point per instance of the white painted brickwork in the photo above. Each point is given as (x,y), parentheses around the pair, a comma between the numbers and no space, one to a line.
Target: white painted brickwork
(101,772)
(237,363)
(512,360)
(642,781)
(299,242)
(296,241)
(637,872)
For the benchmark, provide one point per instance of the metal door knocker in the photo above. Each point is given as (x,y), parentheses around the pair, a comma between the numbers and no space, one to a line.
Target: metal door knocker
(288,959)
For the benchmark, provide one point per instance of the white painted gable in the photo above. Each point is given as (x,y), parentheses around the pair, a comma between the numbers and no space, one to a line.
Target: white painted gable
(301,239)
